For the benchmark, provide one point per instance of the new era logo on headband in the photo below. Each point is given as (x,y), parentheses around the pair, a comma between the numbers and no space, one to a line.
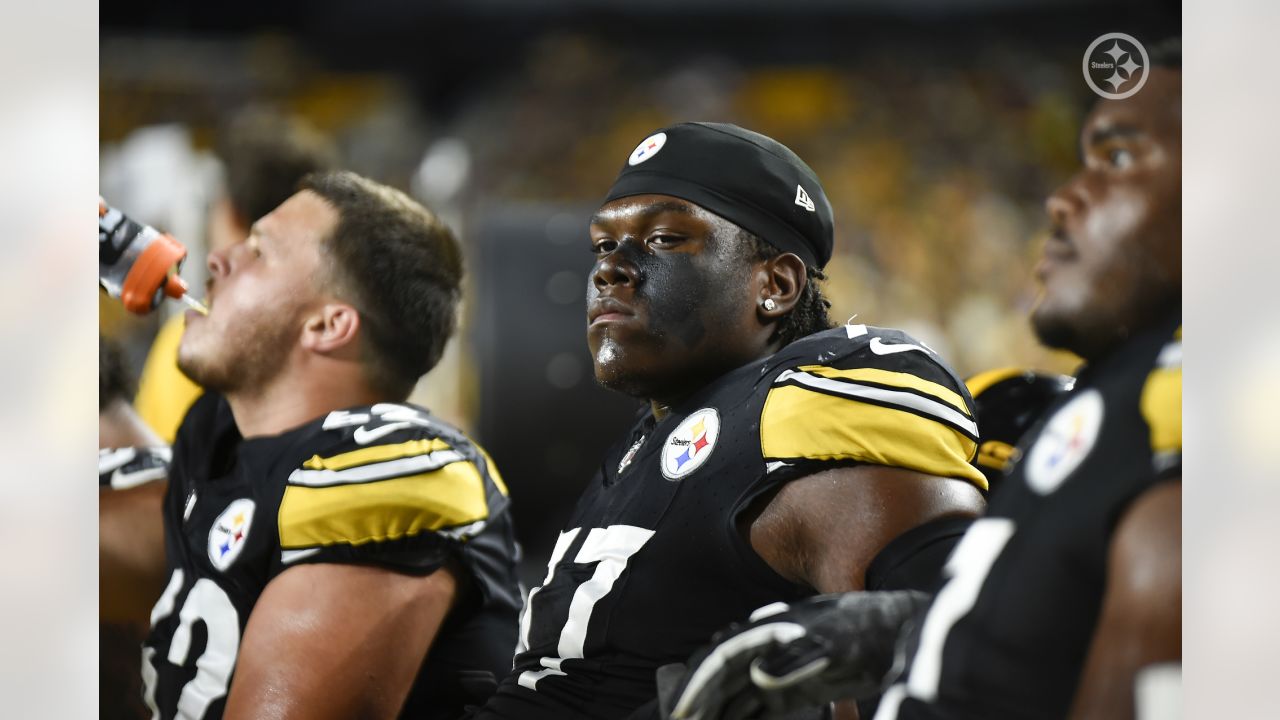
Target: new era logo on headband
(803,199)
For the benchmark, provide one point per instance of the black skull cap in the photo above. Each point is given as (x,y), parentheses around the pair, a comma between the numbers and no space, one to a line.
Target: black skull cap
(747,178)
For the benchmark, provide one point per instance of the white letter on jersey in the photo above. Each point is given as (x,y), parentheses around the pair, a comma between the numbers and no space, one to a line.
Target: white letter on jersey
(967,569)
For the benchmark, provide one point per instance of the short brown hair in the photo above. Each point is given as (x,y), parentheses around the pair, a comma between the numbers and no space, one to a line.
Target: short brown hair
(402,269)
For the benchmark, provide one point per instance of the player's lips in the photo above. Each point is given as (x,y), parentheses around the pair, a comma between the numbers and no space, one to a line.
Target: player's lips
(607,309)
(1058,250)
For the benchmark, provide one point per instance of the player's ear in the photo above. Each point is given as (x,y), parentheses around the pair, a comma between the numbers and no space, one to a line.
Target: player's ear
(331,328)
(784,280)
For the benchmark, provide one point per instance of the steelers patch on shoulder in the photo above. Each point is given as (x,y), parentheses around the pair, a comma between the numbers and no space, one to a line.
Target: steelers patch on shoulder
(647,148)
(690,444)
(1066,441)
(230,532)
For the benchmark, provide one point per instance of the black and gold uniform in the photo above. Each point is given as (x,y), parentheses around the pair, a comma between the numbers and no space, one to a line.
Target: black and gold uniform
(1007,635)
(653,563)
(386,485)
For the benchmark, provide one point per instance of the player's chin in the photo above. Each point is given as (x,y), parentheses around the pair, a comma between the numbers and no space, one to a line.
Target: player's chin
(628,385)
(1054,326)
(618,374)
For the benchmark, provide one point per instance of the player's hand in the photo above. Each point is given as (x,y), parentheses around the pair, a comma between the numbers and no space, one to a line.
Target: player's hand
(790,657)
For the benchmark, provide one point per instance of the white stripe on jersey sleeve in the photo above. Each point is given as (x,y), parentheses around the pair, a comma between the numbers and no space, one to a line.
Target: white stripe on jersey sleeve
(376,471)
(892,397)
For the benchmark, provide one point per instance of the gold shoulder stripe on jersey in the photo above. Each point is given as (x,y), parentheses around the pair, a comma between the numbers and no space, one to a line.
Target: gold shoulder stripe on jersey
(376,453)
(979,383)
(799,423)
(371,472)
(892,378)
(451,496)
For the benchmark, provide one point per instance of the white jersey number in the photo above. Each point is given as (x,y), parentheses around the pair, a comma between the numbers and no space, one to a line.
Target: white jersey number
(611,547)
(209,604)
(967,569)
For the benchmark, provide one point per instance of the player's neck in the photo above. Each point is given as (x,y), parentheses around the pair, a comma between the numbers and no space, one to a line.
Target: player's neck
(296,398)
(661,406)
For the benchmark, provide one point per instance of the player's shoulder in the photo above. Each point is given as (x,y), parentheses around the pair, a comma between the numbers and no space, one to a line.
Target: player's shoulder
(384,473)
(878,351)
(868,394)
(385,432)
(877,365)
(383,424)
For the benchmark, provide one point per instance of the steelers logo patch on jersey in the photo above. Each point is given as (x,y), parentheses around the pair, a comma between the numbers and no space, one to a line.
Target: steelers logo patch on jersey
(229,532)
(690,445)
(1065,442)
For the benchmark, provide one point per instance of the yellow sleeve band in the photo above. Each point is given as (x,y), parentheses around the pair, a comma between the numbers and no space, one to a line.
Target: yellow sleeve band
(401,507)
(1161,406)
(800,423)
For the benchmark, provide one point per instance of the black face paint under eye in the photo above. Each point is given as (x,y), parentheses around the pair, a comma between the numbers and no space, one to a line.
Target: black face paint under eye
(676,292)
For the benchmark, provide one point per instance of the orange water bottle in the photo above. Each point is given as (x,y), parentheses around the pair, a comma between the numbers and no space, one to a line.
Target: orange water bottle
(138,263)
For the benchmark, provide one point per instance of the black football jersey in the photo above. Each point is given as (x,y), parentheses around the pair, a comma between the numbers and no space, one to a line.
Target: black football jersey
(652,564)
(1007,635)
(387,485)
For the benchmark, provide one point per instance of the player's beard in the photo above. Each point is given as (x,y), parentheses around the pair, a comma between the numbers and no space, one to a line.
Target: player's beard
(1092,321)
(248,361)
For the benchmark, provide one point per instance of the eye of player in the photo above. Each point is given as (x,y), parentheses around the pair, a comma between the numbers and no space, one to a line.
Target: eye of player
(664,239)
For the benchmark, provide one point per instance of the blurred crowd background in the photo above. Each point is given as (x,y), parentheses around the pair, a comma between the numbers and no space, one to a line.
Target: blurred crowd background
(938,128)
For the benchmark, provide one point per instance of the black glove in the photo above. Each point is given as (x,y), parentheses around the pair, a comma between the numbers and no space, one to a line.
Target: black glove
(791,657)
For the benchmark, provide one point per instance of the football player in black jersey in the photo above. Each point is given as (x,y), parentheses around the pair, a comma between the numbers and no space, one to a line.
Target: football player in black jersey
(328,550)
(1065,600)
(777,456)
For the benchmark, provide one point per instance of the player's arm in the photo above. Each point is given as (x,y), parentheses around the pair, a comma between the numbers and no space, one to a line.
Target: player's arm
(864,447)
(1141,619)
(825,529)
(337,641)
(131,566)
